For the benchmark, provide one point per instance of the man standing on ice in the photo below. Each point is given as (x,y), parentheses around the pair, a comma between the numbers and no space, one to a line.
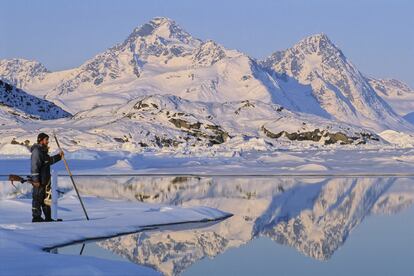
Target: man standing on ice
(40,169)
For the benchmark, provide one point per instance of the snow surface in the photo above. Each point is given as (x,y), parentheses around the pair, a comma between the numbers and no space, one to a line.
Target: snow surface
(21,242)
(169,124)
(398,138)
(309,161)
(35,107)
(10,149)
(398,94)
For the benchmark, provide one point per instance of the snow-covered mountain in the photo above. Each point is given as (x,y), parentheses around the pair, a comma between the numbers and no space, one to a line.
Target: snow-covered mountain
(21,72)
(174,124)
(160,41)
(158,57)
(398,94)
(390,87)
(309,92)
(15,98)
(316,70)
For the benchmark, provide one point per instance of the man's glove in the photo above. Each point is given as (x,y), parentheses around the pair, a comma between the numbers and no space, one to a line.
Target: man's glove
(35,184)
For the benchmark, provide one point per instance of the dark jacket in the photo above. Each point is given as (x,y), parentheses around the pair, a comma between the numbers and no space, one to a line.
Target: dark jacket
(41,162)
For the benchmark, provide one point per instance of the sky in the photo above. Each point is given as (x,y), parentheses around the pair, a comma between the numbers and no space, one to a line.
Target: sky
(375,35)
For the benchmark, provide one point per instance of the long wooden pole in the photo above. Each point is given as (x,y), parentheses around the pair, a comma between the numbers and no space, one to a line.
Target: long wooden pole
(71,178)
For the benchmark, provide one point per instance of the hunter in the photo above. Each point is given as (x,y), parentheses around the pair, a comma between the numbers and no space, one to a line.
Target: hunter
(40,170)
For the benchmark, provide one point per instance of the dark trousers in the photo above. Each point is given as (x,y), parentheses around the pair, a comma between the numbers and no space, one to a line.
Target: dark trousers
(38,203)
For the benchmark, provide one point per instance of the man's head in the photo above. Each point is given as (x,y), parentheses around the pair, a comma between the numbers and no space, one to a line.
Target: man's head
(43,139)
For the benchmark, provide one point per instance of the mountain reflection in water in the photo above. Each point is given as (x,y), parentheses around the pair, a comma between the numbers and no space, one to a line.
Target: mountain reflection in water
(312,215)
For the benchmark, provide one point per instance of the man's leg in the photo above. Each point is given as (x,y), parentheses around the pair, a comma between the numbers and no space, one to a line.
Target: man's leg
(37,199)
(48,212)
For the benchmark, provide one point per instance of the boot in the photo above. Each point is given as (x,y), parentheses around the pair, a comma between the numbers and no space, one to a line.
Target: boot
(47,211)
(50,220)
(38,219)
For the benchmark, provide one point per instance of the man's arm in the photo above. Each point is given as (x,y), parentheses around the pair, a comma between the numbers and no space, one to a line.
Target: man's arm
(35,165)
(56,158)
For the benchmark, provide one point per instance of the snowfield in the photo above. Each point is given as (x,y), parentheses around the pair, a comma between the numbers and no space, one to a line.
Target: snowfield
(21,242)
(302,161)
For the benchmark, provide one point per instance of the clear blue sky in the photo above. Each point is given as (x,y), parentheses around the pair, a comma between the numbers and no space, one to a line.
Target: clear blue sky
(376,35)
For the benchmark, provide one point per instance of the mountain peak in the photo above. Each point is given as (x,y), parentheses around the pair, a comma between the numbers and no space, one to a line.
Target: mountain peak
(159,20)
(317,43)
(312,46)
(337,85)
(21,62)
(209,53)
(161,27)
(318,37)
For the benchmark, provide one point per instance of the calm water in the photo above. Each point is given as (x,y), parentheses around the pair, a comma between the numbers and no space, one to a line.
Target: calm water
(281,226)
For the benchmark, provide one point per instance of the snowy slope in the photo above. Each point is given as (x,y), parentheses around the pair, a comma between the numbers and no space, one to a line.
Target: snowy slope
(327,77)
(36,108)
(12,118)
(21,72)
(398,94)
(391,88)
(173,124)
